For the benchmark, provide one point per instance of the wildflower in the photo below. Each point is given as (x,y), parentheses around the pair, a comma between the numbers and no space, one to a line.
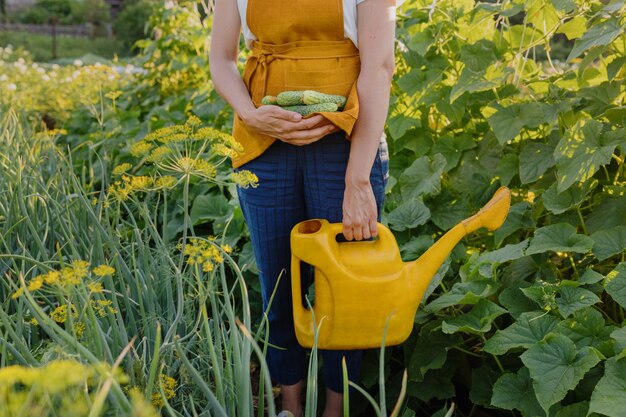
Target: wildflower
(60,313)
(193,121)
(159,153)
(81,268)
(168,384)
(226,248)
(121,168)
(35,283)
(140,148)
(95,287)
(202,252)
(245,179)
(33,321)
(79,327)
(205,168)
(141,183)
(102,306)
(166,181)
(52,277)
(113,94)
(17,293)
(223,150)
(103,270)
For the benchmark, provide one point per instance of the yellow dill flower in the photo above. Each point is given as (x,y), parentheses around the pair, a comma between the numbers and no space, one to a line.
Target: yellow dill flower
(204,167)
(226,248)
(159,153)
(113,94)
(121,168)
(223,150)
(140,148)
(79,328)
(52,277)
(245,179)
(81,268)
(33,321)
(166,181)
(163,133)
(168,384)
(17,293)
(95,287)
(94,201)
(59,314)
(103,270)
(193,120)
(141,183)
(35,283)
(186,164)
(207,266)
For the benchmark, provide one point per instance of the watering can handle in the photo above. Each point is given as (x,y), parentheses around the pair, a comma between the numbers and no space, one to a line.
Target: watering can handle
(383,232)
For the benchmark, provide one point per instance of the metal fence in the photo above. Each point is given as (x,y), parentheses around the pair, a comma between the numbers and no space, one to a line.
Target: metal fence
(73,30)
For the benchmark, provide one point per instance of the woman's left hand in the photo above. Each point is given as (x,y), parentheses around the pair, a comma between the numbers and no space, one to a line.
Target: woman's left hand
(359,211)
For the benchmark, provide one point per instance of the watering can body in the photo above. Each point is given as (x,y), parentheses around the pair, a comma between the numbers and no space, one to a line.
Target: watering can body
(364,292)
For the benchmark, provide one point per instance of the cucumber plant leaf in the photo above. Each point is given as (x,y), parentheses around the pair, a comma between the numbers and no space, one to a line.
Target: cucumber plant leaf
(560,237)
(608,396)
(528,329)
(556,366)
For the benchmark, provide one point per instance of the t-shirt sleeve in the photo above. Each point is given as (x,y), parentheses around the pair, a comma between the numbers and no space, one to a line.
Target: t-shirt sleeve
(398,2)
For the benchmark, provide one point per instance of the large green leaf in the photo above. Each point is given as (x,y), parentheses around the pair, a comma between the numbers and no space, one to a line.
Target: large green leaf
(543,16)
(431,351)
(452,147)
(477,321)
(505,254)
(560,237)
(619,336)
(572,299)
(556,366)
(462,293)
(610,213)
(508,122)
(411,213)
(581,152)
(423,177)
(519,217)
(608,396)
(574,410)
(400,124)
(587,328)
(616,284)
(559,203)
(599,34)
(528,329)
(471,81)
(534,160)
(515,392)
(609,242)
(573,28)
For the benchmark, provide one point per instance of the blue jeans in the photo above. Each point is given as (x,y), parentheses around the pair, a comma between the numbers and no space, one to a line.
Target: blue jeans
(297,183)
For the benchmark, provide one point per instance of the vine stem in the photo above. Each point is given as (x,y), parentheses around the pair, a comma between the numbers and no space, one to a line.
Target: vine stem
(482,336)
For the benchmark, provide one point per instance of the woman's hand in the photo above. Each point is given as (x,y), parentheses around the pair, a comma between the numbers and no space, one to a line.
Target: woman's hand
(359,211)
(288,126)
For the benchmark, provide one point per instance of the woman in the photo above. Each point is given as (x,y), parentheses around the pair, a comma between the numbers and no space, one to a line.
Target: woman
(328,165)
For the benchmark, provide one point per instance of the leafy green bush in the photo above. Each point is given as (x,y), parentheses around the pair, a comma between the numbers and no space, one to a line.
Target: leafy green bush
(132,23)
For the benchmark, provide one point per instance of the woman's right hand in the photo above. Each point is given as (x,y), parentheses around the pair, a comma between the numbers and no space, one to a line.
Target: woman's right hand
(288,126)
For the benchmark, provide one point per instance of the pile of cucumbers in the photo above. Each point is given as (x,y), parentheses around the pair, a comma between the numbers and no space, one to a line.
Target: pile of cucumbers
(306,102)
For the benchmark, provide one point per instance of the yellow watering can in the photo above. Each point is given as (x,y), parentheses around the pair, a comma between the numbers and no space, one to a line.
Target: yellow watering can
(361,285)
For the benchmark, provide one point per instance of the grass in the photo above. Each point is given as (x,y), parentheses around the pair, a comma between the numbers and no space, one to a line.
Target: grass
(40,46)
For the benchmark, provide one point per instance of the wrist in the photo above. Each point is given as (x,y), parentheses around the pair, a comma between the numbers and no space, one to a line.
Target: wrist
(246,114)
(357,178)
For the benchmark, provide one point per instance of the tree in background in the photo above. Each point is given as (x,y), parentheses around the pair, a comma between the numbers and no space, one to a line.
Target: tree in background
(95,12)
(132,22)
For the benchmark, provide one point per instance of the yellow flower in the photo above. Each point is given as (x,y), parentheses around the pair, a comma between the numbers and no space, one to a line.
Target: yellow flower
(59,314)
(168,384)
(193,121)
(121,168)
(140,148)
(103,270)
(226,248)
(81,268)
(52,277)
(17,293)
(159,153)
(113,94)
(95,287)
(79,327)
(205,168)
(33,321)
(35,283)
(166,181)
(245,179)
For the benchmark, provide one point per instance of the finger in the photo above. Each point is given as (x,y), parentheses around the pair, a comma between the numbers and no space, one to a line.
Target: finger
(283,114)
(373,227)
(310,134)
(365,231)
(358,232)
(347,232)
(317,120)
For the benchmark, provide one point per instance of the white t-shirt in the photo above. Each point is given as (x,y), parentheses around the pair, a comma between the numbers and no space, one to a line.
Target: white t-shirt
(349,20)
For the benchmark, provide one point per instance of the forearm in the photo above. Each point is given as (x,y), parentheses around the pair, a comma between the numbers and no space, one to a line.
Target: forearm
(230,86)
(373,88)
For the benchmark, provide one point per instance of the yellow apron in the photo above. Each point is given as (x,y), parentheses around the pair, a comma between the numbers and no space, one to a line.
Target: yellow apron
(300,46)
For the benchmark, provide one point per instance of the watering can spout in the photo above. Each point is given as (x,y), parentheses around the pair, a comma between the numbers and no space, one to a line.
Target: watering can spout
(491,216)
